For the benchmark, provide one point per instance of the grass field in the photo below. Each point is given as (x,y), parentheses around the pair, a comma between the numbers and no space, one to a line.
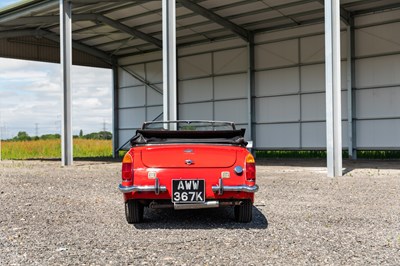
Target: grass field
(91,148)
(46,149)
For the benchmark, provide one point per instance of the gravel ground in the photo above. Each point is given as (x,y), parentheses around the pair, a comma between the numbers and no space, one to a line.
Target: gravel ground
(50,215)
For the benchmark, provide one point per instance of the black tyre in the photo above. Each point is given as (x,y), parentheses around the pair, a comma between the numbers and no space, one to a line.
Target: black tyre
(244,212)
(134,211)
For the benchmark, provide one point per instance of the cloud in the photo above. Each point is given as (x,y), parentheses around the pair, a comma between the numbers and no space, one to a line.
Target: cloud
(30,94)
(20,76)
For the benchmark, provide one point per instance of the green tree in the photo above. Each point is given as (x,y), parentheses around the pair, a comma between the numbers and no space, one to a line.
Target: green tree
(99,135)
(81,133)
(22,135)
(50,136)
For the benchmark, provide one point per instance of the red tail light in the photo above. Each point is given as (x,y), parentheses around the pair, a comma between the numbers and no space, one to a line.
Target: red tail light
(127,165)
(250,168)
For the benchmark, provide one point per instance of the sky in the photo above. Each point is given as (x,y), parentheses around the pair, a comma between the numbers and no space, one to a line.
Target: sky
(31,95)
(4,3)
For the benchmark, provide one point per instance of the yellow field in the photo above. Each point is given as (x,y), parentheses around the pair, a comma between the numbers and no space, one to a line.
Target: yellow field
(45,149)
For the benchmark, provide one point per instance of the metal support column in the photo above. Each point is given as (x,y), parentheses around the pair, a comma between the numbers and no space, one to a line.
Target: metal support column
(333,84)
(66,63)
(169,60)
(350,93)
(115,109)
(251,91)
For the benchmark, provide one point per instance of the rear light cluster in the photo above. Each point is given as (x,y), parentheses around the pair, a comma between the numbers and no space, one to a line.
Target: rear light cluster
(250,168)
(127,167)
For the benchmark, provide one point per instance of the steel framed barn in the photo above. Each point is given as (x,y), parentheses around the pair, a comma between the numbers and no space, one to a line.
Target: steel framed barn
(297,74)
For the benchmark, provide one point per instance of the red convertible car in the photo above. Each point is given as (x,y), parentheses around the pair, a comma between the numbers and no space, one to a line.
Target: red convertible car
(188,165)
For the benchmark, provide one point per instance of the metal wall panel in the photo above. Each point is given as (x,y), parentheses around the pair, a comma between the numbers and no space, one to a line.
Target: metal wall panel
(154,112)
(138,70)
(196,111)
(372,134)
(277,82)
(230,61)
(195,90)
(278,109)
(195,66)
(277,54)
(378,71)
(221,92)
(379,39)
(154,97)
(278,136)
(132,96)
(138,101)
(313,48)
(290,86)
(378,103)
(127,80)
(313,77)
(124,135)
(230,86)
(377,81)
(313,106)
(211,46)
(154,73)
(313,135)
(234,110)
(131,118)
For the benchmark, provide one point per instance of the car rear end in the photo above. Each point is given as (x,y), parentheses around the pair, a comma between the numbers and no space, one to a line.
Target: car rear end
(188,176)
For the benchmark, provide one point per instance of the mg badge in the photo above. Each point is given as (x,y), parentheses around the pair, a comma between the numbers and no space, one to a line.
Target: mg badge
(189,162)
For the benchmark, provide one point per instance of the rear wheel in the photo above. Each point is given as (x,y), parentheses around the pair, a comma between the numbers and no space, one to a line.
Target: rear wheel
(244,212)
(134,211)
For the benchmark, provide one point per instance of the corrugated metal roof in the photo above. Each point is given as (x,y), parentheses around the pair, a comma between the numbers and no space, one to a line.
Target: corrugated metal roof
(123,28)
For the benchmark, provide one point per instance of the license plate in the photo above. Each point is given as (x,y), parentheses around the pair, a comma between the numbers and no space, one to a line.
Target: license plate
(188,191)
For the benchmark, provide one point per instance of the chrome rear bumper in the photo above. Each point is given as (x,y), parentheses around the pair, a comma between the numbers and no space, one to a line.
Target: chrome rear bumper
(221,188)
(156,188)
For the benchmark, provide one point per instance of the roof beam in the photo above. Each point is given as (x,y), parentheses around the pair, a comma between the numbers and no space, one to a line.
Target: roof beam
(377,9)
(108,1)
(32,20)
(79,46)
(119,26)
(19,33)
(241,32)
(56,38)
(344,14)
(93,17)
(129,30)
(291,25)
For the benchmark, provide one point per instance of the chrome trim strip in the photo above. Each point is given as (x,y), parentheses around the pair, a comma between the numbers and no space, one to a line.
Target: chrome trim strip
(130,189)
(201,205)
(240,188)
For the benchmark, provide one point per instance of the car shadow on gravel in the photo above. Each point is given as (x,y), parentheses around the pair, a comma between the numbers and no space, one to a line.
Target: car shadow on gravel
(199,219)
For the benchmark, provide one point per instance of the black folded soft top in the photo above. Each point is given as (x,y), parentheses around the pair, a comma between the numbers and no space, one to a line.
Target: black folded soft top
(149,136)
